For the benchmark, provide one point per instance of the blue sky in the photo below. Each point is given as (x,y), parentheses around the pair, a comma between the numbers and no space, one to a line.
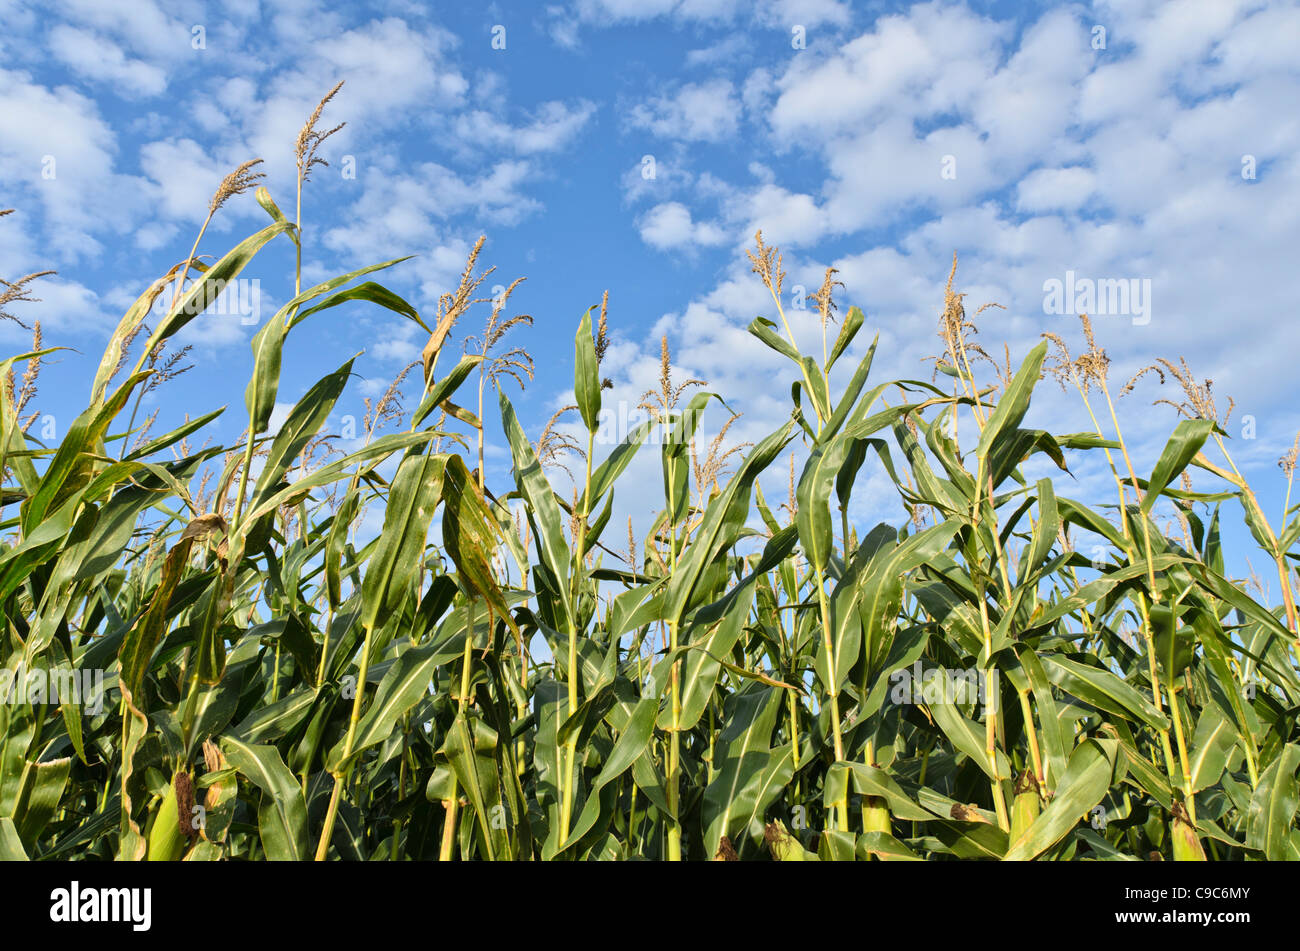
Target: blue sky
(877,138)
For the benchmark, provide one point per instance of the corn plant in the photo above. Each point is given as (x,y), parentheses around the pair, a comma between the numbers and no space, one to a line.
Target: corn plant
(743,683)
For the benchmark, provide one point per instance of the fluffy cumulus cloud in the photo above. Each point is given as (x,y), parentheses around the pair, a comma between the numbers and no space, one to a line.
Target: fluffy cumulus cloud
(145,27)
(412,208)
(90,55)
(58,155)
(1052,189)
(693,112)
(555,125)
(669,226)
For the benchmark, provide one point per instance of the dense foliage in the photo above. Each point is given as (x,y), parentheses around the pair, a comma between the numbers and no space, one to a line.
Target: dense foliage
(508,675)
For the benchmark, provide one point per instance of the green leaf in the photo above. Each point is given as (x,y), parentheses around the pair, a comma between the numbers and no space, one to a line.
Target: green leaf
(11,847)
(1056,737)
(472,752)
(1045,530)
(848,330)
(964,735)
(873,781)
(39,791)
(721,523)
(1273,807)
(1088,776)
(628,748)
(1102,689)
(885,847)
(373,454)
(282,815)
(142,640)
(173,437)
(270,207)
(850,396)
(586,374)
(303,423)
(539,495)
(334,545)
(1188,438)
(445,387)
(206,291)
(817,391)
(401,688)
(742,757)
(603,478)
(1214,739)
(470,533)
(76,457)
(812,513)
(675,455)
(765,330)
(367,291)
(1014,403)
(412,499)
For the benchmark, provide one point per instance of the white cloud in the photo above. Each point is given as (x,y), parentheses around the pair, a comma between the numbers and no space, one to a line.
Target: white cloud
(57,151)
(658,176)
(99,58)
(1055,189)
(406,211)
(929,61)
(398,344)
(694,112)
(141,24)
(724,50)
(186,176)
(1260,44)
(669,226)
(806,13)
(155,235)
(758,91)
(790,218)
(555,125)
(1025,106)
(392,71)
(392,67)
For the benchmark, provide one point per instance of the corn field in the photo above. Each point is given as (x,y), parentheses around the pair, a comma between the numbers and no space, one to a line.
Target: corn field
(503,672)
